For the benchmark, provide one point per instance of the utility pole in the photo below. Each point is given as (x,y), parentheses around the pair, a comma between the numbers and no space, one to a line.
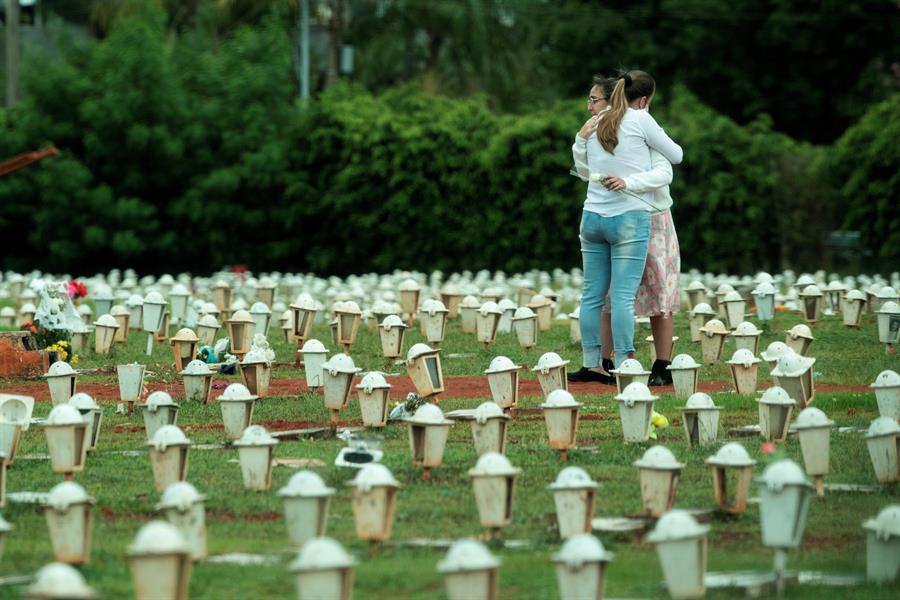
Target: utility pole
(12,52)
(304,49)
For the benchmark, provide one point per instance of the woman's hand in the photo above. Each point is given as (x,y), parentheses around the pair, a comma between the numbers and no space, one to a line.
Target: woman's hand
(613,183)
(589,128)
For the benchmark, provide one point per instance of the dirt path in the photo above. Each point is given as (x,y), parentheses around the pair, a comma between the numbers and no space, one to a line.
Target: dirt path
(455,387)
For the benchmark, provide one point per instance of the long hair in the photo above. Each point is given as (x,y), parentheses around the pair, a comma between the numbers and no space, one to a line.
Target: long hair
(628,87)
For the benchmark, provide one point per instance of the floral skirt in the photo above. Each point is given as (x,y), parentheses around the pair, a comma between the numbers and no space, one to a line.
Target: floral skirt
(658,293)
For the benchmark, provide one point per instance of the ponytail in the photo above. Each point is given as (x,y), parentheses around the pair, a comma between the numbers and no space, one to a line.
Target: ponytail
(608,129)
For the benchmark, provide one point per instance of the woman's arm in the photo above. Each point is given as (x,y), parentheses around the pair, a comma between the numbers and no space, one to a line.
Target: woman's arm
(579,155)
(658,139)
(659,175)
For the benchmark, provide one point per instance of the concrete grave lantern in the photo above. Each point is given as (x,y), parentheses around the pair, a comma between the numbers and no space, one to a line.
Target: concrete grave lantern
(93,416)
(131,383)
(265,291)
(628,372)
(160,562)
(68,511)
(719,295)
(428,431)
(169,452)
(494,483)
(799,338)
(178,300)
(696,293)
(374,502)
(794,373)
(852,310)
(636,411)
(197,379)
(834,294)
(685,373)
(236,403)
(812,302)
(314,357)
(159,410)
(286,321)
(490,294)
(61,379)
(700,418)
(262,318)
(732,471)
(337,380)
(712,340)
(503,379)
(744,370)
(508,311)
(103,300)
(551,373)
(659,474)
(700,315)
(423,364)
(451,297)
(104,333)
(489,428)
(154,307)
(575,325)
(392,331)
(256,372)
(304,311)
(561,413)
(581,568)
(746,336)
(885,294)
(649,340)
(306,499)
(323,569)
(26,313)
(775,407)
(182,506)
(525,324)
(373,392)
(814,429)
(240,332)
(58,581)
(468,312)
(184,347)
(542,307)
(207,328)
(84,311)
(65,429)
(255,450)
(883,441)
(889,323)
(409,298)
(764,298)
(887,394)
(681,544)
(135,306)
(574,495)
(221,293)
(15,417)
(348,316)
(883,545)
(487,320)
(433,320)
(470,571)
(525,292)
(79,340)
(735,306)
(773,352)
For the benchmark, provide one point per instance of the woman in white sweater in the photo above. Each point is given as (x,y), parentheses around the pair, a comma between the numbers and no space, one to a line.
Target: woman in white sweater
(626,157)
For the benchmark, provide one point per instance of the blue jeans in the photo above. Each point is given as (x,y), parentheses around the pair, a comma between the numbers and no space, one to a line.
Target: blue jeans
(614,250)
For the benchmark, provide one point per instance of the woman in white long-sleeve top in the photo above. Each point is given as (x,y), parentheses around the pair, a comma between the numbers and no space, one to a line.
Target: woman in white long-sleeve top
(615,227)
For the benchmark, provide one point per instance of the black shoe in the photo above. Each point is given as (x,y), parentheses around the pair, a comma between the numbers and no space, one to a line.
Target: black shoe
(608,365)
(585,375)
(659,375)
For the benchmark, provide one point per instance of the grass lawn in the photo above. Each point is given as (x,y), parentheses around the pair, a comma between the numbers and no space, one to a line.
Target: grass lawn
(444,506)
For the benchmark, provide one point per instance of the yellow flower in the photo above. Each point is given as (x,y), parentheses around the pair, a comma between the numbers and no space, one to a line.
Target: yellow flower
(659,420)
(74,360)
(63,343)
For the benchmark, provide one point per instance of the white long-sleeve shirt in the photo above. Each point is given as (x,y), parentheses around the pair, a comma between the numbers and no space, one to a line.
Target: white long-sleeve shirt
(638,134)
(655,181)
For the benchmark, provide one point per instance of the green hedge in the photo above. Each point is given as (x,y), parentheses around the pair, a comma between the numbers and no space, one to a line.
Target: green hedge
(178,154)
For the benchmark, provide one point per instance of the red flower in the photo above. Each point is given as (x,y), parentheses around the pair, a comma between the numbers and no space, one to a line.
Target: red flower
(77,289)
(767,448)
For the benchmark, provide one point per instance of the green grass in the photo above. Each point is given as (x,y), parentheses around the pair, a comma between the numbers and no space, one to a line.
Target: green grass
(444,507)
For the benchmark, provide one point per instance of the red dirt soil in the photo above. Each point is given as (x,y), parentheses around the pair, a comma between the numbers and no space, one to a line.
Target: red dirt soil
(454,387)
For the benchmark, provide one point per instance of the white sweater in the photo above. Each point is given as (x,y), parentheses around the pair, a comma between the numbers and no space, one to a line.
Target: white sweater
(638,134)
(655,181)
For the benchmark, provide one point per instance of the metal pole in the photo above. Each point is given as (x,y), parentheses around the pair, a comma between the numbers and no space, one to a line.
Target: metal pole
(304,49)
(12,51)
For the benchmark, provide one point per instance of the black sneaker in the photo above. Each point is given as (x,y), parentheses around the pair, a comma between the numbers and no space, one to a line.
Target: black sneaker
(585,375)
(659,375)
(607,364)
